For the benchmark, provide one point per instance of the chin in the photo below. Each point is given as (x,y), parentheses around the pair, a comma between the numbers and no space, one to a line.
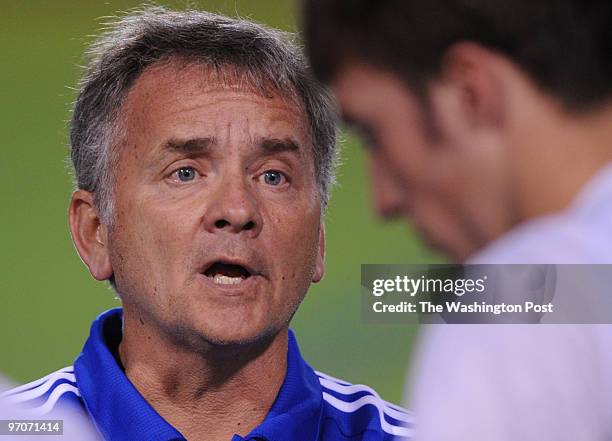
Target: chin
(232,333)
(444,246)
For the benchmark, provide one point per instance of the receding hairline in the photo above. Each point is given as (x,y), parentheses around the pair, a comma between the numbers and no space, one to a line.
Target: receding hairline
(224,78)
(221,77)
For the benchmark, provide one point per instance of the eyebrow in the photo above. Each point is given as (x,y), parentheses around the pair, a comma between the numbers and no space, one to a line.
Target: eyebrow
(274,145)
(192,145)
(203,145)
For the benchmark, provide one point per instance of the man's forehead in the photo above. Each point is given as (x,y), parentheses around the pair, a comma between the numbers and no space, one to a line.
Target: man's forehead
(179,80)
(178,103)
(176,95)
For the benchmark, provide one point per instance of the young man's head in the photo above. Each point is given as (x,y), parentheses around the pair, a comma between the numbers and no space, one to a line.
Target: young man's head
(479,114)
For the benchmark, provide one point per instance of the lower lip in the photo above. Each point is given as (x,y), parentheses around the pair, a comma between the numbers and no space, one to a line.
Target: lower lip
(245,286)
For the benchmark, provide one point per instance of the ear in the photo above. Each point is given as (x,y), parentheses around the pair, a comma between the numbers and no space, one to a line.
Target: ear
(320,264)
(472,89)
(89,235)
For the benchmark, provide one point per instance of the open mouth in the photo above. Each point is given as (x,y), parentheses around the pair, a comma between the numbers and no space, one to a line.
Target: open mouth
(227,273)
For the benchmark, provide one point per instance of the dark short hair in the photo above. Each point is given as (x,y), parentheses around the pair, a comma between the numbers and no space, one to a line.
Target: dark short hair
(565,46)
(265,58)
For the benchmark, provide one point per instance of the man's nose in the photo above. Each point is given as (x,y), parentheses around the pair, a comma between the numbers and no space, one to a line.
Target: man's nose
(387,193)
(234,209)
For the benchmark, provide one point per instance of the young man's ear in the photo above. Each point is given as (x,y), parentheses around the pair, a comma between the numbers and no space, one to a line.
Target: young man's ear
(89,235)
(320,263)
(473,83)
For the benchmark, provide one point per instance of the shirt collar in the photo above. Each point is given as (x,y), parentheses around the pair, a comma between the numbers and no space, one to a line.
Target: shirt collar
(121,413)
(296,412)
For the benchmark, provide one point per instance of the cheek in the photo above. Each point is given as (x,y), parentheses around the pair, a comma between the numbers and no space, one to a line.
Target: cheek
(464,180)
(144,245)
(434,210)
(405,156)
(295,247)
(446,177)
(130,264)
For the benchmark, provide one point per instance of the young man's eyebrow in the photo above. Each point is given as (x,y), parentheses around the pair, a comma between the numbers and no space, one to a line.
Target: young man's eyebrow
(275,145)
(191,145)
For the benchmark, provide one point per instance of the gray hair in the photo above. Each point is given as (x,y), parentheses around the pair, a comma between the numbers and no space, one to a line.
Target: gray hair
(267,59)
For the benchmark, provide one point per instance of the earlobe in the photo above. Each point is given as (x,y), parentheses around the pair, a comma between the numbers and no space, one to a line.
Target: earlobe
(89,235)
(320,264)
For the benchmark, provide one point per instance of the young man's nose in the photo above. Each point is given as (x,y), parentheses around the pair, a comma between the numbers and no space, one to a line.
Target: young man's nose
(387,194)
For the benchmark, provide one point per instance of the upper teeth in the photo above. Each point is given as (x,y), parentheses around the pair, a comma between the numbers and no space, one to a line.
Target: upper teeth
(226,280)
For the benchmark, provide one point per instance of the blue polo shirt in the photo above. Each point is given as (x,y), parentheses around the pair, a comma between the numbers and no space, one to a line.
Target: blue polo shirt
(310,405)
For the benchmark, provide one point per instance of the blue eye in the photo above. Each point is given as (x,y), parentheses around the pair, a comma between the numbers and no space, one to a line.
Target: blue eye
(273,177)
(186,174)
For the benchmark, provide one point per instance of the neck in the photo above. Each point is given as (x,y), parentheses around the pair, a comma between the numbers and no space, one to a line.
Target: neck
(211,394)
(559,156)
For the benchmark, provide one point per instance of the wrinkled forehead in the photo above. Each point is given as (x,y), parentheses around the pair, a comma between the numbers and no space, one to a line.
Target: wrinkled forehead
(177,94)
(188,101)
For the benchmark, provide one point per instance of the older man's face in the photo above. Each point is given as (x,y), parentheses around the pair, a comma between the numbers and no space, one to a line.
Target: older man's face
(217,232)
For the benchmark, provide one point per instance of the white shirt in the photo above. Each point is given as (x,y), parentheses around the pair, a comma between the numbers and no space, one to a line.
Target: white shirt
(524,382)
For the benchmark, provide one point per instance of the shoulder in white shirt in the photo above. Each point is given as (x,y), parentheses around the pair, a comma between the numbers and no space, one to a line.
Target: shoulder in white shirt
(524,382)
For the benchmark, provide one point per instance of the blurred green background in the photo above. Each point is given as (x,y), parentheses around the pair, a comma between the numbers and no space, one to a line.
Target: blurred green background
(49,299)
